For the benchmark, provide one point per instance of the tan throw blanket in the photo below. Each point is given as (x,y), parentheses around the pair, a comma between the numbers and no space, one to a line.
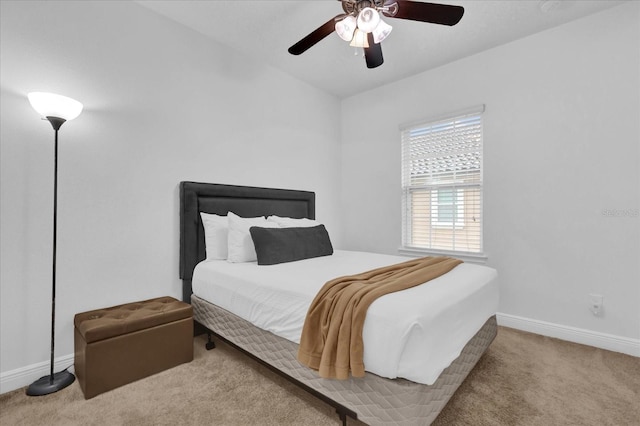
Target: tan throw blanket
(331,340)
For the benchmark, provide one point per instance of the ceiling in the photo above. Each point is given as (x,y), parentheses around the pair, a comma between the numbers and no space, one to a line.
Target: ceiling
(265,29)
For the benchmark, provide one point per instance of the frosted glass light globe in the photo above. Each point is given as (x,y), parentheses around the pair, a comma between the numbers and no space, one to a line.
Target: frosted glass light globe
(52,105)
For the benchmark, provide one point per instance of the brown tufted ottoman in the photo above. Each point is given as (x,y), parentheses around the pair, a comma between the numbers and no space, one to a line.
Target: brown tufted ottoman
(121,344)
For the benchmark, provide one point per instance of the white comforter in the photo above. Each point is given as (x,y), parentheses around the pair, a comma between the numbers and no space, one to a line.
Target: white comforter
(414,334)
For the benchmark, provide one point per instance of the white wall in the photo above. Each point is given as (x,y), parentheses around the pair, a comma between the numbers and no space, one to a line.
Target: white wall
(561,144)
(162,104)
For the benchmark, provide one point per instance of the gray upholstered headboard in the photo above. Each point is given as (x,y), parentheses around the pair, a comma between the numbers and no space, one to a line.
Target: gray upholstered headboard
(245,201)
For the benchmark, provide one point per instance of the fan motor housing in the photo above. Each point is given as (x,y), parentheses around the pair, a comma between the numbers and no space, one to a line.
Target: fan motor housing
(353,7)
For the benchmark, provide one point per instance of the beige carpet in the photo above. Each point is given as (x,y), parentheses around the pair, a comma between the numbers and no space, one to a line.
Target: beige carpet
(524,379)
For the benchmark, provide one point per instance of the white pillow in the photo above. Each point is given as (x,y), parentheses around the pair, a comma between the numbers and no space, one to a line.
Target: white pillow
(240,245)
(216,229)
(289,222)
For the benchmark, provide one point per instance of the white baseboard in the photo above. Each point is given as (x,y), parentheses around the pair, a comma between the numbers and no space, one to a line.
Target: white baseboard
(609,342)
(24,376)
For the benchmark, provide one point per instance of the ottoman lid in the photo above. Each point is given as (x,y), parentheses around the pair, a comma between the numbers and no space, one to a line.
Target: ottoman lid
(102,324)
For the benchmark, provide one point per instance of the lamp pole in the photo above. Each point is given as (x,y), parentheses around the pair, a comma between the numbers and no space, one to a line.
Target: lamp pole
(56,123)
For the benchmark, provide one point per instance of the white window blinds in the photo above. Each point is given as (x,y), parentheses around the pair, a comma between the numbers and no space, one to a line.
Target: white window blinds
(442,183)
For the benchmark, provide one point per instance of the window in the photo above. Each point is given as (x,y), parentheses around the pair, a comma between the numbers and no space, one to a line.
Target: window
(442,183)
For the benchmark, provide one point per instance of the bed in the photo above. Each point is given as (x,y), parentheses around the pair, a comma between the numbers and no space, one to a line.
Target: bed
(373,399)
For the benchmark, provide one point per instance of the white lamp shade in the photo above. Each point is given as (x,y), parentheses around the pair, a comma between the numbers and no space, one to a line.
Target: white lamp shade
(359,39)
(381,32)
(368,19)
(346,28)
(52,105)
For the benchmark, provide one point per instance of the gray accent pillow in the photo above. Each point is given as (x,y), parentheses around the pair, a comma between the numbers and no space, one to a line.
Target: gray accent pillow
(280,245)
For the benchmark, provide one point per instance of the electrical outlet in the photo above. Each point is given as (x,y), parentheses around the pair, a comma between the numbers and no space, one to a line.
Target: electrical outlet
(596,304)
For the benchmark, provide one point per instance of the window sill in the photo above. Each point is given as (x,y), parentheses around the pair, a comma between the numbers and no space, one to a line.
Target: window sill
(479,258)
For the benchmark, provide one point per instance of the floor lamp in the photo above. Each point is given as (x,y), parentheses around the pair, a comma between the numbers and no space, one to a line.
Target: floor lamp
(57,109)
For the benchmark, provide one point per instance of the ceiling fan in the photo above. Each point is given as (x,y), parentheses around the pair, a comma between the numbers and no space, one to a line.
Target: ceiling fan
(362,26)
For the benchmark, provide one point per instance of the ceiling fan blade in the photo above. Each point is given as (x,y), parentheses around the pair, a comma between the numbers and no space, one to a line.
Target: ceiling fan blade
(315,36)
(373,53)
(443,14)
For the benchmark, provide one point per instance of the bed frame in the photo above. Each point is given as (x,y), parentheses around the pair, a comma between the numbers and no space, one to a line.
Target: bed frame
(372,399)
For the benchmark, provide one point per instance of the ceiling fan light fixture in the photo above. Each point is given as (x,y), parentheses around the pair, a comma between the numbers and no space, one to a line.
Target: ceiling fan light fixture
(359,39)
(381,32)
(368,19)
(390,9)
(346,27)
(370,30)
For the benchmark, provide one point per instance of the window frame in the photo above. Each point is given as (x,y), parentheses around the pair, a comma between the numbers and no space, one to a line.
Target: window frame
(430,188)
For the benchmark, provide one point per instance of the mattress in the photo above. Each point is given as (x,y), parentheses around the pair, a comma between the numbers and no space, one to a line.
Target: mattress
(414,334)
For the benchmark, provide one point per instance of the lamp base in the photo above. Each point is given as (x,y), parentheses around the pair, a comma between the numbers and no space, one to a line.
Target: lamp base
(45,385)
